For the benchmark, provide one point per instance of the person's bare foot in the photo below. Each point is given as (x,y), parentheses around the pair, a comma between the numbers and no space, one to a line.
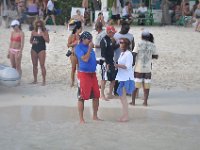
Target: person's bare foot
(145,104)
(34,82)
(110,96)
(123,119)
(43,83)
(82,121)
(104,98)
(131,103)
(97,119)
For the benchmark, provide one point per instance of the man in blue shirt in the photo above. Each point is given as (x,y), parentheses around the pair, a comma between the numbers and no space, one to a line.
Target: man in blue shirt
(88,84)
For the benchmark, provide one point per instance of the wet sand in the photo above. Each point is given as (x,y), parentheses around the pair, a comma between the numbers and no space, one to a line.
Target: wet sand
(56,127)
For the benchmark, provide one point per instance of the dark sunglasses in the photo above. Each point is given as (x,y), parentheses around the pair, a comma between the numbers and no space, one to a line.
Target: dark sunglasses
(121,42)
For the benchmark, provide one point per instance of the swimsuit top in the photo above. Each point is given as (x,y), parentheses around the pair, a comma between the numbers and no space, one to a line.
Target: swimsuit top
(15,39)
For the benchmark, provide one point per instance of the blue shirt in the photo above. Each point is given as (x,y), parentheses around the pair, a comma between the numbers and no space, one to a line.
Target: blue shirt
(90,65)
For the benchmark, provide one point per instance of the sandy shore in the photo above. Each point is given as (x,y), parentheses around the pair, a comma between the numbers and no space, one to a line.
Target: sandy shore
(45,117)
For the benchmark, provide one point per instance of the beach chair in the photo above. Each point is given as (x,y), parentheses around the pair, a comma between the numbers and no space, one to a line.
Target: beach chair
(71,22)
(74,9)
(146,20)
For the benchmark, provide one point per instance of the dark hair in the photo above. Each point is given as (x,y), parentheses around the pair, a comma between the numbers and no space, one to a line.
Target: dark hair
(151,38)
(77,27)
(145,37)
(125,28)
(100,13)
(127,3)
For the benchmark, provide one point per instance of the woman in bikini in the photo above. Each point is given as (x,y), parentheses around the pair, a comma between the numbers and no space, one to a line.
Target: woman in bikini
(72,42)
(16,46)
(39,37)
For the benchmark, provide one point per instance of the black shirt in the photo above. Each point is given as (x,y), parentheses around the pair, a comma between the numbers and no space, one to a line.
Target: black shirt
(107,50)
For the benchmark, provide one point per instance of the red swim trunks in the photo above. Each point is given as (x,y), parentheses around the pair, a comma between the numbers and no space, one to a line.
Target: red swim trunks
(88,85)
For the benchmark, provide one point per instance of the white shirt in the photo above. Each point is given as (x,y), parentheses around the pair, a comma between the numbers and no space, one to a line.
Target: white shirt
(97,42)
(144,50)
(125,11)
(126,58)
(142,10)
(50,5)
(116,11)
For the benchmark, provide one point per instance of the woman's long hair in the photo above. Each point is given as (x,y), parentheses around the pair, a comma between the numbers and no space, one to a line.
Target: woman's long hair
(77,27)
(42,25)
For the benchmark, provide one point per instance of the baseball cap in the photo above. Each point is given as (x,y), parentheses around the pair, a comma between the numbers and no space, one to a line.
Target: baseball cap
(14,23)
(110,29)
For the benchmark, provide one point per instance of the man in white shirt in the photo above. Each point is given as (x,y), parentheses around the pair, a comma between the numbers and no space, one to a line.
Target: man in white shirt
(145,52)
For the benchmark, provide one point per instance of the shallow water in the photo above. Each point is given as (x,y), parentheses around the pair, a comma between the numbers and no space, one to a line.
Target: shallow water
(57,128)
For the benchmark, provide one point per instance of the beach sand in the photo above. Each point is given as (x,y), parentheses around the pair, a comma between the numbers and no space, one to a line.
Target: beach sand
(45,117)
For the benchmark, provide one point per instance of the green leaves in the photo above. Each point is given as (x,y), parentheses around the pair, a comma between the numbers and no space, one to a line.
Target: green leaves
(65,6)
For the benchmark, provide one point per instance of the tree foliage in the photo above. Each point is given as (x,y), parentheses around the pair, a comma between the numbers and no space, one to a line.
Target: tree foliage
(65,6)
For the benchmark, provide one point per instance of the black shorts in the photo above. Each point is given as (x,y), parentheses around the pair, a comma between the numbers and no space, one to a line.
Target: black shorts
(33,13)
(49,12)
(142,75)
(115,17)
(110,74)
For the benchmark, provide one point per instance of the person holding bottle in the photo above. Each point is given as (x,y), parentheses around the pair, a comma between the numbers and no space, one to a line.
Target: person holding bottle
(39,38)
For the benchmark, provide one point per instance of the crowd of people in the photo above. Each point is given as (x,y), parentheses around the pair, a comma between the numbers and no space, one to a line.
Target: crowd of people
(181,13)
(26,11)
(115,53)
(112,55)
